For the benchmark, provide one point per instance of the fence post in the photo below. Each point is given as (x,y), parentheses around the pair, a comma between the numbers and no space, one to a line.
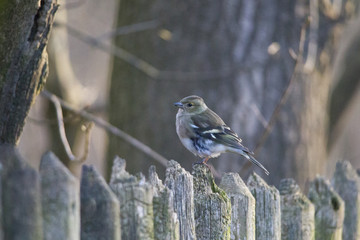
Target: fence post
(21,206)
(136,208)
(180,182)
(60,200)
(242,207)
(267,209)
(100,208)
(297,212)
(212,206)
(329,210)
(346,183)
(166,222)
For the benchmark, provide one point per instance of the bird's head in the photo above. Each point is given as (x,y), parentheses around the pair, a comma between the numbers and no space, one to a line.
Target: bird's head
(191,104)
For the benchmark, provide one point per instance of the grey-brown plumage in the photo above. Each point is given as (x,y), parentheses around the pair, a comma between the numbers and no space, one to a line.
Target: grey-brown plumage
(205,134)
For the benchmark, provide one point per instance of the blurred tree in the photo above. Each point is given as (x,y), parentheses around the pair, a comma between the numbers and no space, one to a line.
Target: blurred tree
(78,74)
(235,54)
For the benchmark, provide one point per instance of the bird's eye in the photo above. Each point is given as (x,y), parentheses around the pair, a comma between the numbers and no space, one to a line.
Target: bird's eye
(189,105)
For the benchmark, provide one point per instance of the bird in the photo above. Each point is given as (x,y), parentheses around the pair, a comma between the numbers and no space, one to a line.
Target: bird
(205,134)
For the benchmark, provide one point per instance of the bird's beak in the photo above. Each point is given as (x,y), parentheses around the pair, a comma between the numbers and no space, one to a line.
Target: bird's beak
(178,104)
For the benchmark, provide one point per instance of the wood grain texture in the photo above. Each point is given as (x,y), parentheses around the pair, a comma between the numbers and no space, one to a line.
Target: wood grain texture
(242,207)
(180,182)
(166,222)
(212,206)
(136,202)
(267,209)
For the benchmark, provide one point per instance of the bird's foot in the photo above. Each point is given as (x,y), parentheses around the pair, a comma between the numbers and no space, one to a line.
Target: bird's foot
(204,162)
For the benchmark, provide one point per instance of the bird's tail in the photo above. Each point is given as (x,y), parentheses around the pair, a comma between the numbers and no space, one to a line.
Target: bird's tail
(249,157)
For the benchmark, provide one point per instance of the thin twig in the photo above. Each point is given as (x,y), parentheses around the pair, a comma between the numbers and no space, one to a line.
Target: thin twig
(110,128)
(138,63)
(60,122)
(136,27)
(144,66)
(285,95)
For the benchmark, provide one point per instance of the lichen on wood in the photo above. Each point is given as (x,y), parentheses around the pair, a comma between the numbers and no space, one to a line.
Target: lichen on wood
(136,206)
(166,222)
(212,206)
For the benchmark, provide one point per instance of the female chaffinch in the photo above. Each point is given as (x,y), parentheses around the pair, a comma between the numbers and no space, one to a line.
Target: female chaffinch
(205,134)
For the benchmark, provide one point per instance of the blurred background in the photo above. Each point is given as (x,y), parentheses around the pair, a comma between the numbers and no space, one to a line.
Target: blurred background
(282,74)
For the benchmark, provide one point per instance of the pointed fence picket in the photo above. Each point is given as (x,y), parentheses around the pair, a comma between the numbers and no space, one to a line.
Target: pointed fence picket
(51,204)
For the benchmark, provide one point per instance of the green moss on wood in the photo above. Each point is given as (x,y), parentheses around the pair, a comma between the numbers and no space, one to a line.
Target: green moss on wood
(212,206)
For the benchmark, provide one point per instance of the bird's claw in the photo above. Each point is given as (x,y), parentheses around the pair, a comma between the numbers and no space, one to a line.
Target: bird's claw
(203,162)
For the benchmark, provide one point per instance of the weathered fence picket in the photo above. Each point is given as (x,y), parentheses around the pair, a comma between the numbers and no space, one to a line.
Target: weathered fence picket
(212,206)
(187,206)
(329,210)
(346,183)
(242,207)
(297,212)
(21,201)
(136,208)
(166,223)
(267,209)
(180,182)
(60,200)
(100,208)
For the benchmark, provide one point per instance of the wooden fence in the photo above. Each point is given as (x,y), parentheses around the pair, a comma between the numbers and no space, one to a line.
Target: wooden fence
(50,204)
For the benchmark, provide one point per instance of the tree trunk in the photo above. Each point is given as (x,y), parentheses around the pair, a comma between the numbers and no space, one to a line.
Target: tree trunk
(24,31)
(220,51)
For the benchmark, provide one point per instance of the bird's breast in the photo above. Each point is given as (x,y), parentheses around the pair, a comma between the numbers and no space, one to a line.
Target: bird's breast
(183,128)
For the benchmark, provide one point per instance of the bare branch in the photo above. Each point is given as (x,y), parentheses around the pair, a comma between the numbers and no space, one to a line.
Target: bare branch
(60,122)
(274,116)
(61,127)
(285,95)
(108,127)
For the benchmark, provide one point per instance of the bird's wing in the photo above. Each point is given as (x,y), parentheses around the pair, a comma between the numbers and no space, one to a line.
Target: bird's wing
(223,135)
(210,126)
